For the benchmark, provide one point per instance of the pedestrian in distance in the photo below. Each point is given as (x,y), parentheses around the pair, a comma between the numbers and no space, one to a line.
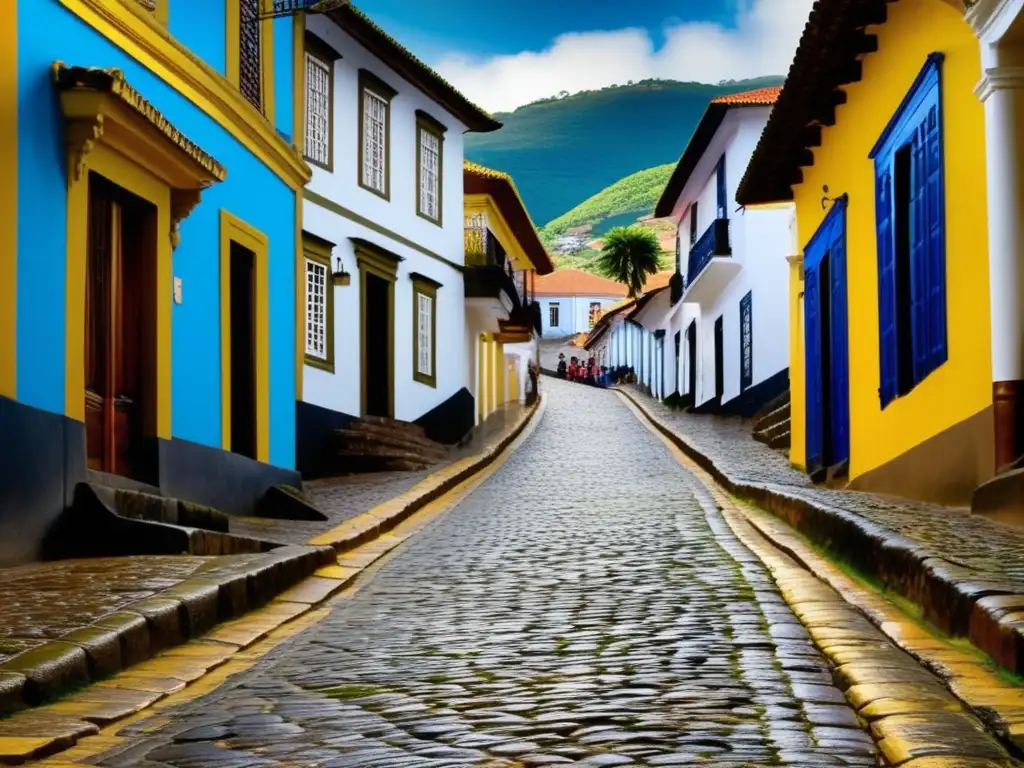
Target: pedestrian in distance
(562,368)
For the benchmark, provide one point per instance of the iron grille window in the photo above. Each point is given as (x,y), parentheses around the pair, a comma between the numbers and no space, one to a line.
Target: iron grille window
(316,310)
(250,81)
(595,312)
(553,315)
(318,110)
(430,174)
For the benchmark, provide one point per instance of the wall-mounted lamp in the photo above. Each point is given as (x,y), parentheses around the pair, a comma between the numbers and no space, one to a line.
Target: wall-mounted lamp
(340,276)
(825,199)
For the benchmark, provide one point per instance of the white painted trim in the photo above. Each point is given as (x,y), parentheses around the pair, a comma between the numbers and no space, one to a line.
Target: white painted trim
(999,79)
(991,19)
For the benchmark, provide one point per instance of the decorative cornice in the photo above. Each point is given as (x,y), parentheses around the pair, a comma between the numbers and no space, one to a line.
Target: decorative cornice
(991,19)
(999,79)
(112,81)
(132,28)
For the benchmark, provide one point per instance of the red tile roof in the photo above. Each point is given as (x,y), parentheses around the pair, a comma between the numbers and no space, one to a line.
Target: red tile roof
(576,282)
(762,97)
(709,124)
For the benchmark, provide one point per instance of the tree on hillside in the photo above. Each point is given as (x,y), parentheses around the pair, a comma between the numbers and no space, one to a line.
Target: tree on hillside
(630,255)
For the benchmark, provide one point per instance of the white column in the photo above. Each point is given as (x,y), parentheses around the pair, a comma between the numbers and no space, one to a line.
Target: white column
(1002,91)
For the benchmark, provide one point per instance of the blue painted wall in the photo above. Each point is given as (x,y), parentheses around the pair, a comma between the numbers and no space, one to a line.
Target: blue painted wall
(47,32)
(201,25)
(283,90)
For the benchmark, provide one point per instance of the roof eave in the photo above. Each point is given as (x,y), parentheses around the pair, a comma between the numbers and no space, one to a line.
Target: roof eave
(828,58)
(405,64)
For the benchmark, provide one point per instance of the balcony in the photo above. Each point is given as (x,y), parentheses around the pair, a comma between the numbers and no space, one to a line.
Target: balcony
(489,273)
(711,266)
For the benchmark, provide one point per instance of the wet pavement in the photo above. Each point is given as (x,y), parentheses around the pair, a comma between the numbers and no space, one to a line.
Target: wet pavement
(587,604)
(993,551)
(343,498)
(44,601)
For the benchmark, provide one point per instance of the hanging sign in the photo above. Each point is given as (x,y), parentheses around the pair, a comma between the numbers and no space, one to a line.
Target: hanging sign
(293,7)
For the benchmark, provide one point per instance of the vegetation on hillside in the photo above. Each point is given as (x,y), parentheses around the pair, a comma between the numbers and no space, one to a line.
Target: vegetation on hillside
(637,193)
(630,255)
(566,149)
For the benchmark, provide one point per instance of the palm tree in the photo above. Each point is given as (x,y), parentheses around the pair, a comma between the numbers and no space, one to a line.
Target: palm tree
(630,255)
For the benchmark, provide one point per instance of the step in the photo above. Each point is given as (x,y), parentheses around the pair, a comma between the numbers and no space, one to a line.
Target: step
(772,406)
(385,431)
(772,418)
(769,434)
(356,439)
(92,527)
(383,452)
(414,430)
(359,463)
(782,442)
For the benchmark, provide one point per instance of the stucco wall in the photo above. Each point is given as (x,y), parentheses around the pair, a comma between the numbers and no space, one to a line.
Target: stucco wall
(397,214)
(49,32)
(961,387)
(573,313)
(341,391)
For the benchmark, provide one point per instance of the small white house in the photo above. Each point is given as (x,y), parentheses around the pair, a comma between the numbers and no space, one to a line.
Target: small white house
(726,324)
(571,300)
(383,238)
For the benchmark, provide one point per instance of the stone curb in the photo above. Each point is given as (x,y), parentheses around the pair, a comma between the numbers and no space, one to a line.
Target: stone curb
(141,629)
(952,597)
(383,518)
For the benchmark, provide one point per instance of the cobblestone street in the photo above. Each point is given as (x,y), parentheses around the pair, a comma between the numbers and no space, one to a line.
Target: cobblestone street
(586,604)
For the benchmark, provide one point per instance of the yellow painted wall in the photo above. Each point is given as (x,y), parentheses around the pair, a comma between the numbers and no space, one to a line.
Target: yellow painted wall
(9,197)
(962,386)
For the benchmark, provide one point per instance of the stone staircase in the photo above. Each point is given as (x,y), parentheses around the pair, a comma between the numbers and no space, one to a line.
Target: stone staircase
(771,423)
(378,444)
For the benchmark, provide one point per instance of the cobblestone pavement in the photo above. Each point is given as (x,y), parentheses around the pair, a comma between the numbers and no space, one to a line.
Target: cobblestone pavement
(995,551)
(342,498)
(42,601)
(583,606)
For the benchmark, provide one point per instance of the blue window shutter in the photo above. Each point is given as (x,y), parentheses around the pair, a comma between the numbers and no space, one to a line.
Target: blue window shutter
(919,255)
(839,390)
(936,353)
(812,369)
(888,361)
(723,195)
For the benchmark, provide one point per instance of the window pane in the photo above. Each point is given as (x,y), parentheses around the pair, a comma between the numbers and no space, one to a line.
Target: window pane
(318,110)
(430,174)
(424,327)
(374,141)
(316,309)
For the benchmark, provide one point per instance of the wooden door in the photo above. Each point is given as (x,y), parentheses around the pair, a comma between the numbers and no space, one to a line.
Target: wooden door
(118,349)
(691,360)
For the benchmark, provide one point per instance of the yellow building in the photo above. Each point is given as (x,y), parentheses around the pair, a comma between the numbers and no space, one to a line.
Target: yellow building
(879,138)
(503,324)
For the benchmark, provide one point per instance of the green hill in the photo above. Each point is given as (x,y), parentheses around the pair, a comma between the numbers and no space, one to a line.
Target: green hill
(563,150)
(621,203)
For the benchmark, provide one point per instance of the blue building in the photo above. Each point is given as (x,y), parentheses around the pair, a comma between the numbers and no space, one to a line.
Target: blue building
(150,233)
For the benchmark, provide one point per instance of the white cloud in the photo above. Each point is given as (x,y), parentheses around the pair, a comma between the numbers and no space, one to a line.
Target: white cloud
(762,42)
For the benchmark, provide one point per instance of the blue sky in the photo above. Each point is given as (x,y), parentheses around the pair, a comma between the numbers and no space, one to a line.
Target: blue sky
(505,53)
(511,26)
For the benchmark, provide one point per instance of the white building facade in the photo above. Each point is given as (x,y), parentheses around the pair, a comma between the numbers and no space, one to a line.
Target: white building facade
(572,300)
(383,249)
(726,322)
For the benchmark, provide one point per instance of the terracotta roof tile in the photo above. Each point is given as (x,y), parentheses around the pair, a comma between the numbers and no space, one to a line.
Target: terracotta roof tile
(576,282)
(761,97)
(658,280)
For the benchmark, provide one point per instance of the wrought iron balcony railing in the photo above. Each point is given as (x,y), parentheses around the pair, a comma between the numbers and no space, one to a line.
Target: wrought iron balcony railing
(714,242)
(483,249)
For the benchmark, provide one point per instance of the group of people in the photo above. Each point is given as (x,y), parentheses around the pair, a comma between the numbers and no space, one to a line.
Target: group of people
(583,371)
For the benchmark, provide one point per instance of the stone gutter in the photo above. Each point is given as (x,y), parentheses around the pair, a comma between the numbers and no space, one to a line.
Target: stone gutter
(952,597)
